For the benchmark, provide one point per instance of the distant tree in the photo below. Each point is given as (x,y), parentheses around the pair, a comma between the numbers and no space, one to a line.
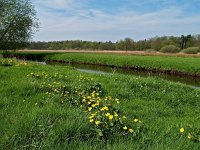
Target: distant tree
(184,40)
(17,23)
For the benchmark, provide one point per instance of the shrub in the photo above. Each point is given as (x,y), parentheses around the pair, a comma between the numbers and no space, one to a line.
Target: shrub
(170,49)
(191,50)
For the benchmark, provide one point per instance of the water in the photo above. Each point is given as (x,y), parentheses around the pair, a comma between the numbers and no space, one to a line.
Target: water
(191,81)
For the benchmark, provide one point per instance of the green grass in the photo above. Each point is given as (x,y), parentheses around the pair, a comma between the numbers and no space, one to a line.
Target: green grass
(32,120)
(183,64)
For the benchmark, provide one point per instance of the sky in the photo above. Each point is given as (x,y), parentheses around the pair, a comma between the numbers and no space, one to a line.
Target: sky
(113,20)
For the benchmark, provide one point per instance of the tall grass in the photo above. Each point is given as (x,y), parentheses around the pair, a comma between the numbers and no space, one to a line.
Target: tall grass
(32,120)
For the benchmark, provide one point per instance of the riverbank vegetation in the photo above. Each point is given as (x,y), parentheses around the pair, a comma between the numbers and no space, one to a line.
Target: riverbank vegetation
(48,107)
(167,64)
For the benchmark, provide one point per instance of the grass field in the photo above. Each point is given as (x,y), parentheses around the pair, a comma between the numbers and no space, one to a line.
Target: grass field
(51,107)
(172,64)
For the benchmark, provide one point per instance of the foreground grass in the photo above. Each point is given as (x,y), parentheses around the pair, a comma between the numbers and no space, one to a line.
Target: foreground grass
(32,120)
(188,65)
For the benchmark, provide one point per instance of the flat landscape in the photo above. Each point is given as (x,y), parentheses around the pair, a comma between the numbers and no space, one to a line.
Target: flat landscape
(99,75)
(57,107)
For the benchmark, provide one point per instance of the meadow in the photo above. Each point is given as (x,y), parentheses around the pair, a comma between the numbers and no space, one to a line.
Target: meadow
(58,107)
(166,64)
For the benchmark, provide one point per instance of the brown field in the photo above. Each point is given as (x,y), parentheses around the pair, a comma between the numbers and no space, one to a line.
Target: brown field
(116,52)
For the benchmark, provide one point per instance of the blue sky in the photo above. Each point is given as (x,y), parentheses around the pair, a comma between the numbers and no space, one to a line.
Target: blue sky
(104,20)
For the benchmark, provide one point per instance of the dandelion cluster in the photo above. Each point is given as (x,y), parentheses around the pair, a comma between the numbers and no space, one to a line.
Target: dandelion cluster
(12,62)
(103,112)
(105,117)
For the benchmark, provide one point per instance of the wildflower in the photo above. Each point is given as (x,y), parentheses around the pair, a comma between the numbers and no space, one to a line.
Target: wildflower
(93,105)
(115,114)
(136,120)
(124,117)
(97,122)
(110,117)
(92,116)
(91,120)
(130,130)
(105,108)
(89,103)
(125,128)
(182,130)
(89,108)
(108,114)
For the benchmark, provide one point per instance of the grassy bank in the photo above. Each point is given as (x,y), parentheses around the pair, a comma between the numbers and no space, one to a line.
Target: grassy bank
(167,64)
(39,56)
(41,108)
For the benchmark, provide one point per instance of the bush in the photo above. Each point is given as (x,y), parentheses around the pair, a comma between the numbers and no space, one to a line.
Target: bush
(191,50)
(170,49)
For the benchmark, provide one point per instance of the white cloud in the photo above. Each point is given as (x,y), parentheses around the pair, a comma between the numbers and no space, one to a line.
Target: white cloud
(90,24)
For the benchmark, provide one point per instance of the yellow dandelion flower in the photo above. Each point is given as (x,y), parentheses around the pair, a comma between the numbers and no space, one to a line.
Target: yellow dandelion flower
(108,114)
(110,117)
(97,122)
(130,130)
(91,120)
(89,108)
(136,120)
(91,117)
(116,115)
(102,109)
(182,130)
(125,128)
(124,117)
(105,108)
(93,105)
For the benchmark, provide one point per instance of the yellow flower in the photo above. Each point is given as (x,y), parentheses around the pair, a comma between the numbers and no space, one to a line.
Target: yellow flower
(91,117)
(116,115)
(89,108)
(91,120)
(182,130)
(125,128)
(130,130)
(88,97)
(108,114)
(124,117)
(110,117)
(105,108)
(97,122)
(136,120)
(89,103)
(93,105)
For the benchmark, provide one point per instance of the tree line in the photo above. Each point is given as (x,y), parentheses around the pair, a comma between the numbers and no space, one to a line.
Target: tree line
(152,44)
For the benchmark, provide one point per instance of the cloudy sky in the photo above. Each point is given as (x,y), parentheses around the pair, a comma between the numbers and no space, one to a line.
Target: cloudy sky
(104,20)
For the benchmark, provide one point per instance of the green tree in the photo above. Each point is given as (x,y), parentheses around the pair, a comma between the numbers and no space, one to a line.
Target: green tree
(18,22)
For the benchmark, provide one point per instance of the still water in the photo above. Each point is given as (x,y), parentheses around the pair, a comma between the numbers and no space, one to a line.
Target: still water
(190,81)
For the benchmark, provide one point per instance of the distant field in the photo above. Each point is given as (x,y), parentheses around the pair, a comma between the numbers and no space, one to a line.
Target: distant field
(115,52)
